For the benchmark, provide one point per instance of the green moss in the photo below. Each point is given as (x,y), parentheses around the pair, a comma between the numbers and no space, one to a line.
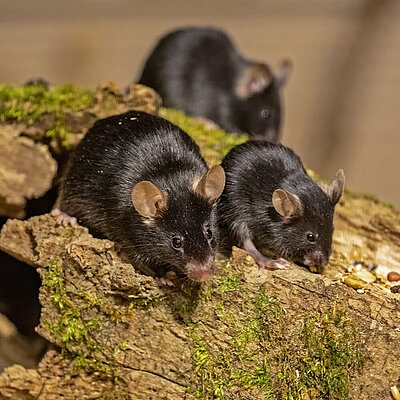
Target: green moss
(239,366)
(270,356)
(114,313)
(331,351)
(143,302)
(214,144)
(228,283)
(29,104)
(74,332)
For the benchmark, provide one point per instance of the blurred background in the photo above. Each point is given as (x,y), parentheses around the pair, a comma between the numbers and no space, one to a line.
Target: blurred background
(342,100)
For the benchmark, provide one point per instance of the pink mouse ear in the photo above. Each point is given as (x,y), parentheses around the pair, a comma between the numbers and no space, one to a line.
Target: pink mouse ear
(253,80)
(335,189)
(212,183)
(148,199)
(286,204)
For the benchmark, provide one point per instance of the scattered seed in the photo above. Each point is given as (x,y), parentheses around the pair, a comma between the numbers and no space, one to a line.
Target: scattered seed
(393,276)
(395,392)
(355,283)
(365,276)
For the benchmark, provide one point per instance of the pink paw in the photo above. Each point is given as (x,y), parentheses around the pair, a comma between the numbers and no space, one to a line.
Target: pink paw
(167,279)
(272,265)
(63,219)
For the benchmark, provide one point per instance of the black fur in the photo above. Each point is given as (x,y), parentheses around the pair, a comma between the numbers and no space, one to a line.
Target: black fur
(196,70)
(120,151)
(253,171)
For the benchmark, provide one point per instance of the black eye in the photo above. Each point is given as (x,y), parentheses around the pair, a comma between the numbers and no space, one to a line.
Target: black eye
(176,242)
(310,237)
(209,234)
(265,113)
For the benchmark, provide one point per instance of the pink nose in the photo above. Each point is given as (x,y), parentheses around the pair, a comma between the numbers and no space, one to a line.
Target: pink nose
(200,272)
(315,259)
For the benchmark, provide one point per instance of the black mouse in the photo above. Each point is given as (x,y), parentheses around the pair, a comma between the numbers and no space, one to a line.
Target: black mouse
(199,71)
(141,181)
(271,205)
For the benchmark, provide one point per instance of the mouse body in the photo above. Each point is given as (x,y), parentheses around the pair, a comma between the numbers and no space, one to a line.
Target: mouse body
(199,71)
(271,205)
(141,181)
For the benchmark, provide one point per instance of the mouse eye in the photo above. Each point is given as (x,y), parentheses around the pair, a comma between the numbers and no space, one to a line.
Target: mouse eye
(310,237)
(265,113)
(209,234)
(176,242)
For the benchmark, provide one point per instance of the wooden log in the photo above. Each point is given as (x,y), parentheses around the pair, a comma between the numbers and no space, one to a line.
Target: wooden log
(118,334)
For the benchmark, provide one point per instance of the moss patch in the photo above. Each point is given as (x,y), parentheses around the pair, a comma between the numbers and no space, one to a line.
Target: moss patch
(214,144)
(29,104)
(270,355)
(74,331)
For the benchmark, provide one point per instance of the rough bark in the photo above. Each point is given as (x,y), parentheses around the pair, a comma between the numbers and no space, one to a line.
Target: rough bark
(28,156)
(27,170)
(17,349)
(142,333)
(117,334)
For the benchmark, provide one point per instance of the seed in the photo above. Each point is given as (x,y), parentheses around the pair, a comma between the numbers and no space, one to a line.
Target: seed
(395,392)
(393,276)
(365,276)
(355,283)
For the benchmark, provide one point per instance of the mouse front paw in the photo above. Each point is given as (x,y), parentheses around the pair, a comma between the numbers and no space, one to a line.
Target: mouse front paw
(62,218)
(167,279)
(270,264)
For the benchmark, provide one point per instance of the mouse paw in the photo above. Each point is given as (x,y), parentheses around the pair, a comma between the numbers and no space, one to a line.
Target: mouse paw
(270,264)
(62,218)
(167,279)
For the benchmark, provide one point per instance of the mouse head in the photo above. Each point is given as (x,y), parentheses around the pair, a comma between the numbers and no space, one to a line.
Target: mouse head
(260,110)
(180,227)
(307,223)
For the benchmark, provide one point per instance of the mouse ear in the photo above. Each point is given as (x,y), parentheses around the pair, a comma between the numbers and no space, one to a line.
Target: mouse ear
(283,72)
(148,199)
(286,204)
(212,183)
(335,189)
(254,79)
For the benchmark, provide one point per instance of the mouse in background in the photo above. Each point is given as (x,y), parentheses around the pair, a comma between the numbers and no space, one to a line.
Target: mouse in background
(271,205)
(199,71)
(139,180)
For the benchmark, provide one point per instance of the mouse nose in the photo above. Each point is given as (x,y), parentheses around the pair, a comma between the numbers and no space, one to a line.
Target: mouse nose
(201,271)
(317,257)
(316,260)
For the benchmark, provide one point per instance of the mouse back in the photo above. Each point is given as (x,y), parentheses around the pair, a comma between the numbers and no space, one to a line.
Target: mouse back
(200,71)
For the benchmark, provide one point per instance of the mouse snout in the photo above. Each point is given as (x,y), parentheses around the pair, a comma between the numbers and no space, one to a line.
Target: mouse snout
(316,261)
(201,271)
